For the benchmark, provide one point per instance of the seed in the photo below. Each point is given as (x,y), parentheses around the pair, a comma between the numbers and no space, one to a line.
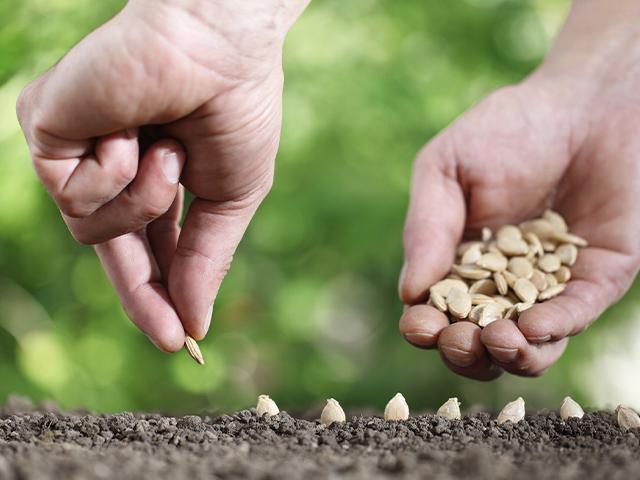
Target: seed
(489,314)
(520,267)
(627,418)
(500,283)
(471,272)
(459,303)
(511,313)
(569,238)
(539,280)
(503,302)
(332,412)
(194,350)
(534,241)
(450,409)
(480,298)
(570,409)
(556,220)
(474,314)
(551,292)
(568,253)
(551,279)
(512,246)
(464,246)
(471,256)
(509,277)
(266,406)
(540,226)
(493,248)
(444,286)
(438,301)
(496,262)
(486,234)
(512,412)
(549,246)
(525,290)
(522,307)
(563,275)
(397,408)
(509,231)
(484,286)
(549,263)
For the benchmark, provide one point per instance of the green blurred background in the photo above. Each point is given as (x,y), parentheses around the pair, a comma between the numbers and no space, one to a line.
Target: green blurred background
(309,309)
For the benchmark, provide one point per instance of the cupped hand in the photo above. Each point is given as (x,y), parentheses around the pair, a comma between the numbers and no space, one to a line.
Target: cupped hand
(523,149)
(167,92)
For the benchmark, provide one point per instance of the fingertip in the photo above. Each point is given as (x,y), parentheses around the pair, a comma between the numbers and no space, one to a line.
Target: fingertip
(421,325)
(460,344)
(503,340)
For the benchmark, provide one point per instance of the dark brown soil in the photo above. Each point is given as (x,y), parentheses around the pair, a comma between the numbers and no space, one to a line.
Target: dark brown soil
(49,444)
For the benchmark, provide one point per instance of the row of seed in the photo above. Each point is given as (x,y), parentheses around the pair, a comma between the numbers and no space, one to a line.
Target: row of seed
(501,277)
(398,409)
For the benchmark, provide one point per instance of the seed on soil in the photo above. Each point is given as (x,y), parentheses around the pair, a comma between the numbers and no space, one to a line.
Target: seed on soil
(627,418)
(570,409)
(459,303)
(450,409)
(332,412)
(194,350)
(266,406)
(397,408)
(524,265)
(512,412)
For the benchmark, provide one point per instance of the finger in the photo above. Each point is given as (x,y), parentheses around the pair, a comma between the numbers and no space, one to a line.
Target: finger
(421,325)
(163,235)
(134,273)
(599,278)
(463,352)
(80,185)
(208,240)
(149,196)
(434,222)
(508,348)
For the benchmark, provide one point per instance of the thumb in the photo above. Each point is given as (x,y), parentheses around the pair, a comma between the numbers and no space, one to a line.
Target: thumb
(208,240)
(434,223)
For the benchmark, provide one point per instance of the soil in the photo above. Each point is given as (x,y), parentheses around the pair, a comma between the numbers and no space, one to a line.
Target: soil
(44,443)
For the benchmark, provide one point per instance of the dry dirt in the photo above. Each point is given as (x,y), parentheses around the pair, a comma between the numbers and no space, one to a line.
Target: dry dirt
(43,444)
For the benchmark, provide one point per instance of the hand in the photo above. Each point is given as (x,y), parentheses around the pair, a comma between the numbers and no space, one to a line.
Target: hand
(167,91)
(565,138)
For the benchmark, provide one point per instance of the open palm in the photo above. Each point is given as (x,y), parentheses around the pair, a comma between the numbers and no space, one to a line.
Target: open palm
(522,150)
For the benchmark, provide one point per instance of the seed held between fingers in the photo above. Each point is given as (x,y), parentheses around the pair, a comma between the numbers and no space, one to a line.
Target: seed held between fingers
(194,350)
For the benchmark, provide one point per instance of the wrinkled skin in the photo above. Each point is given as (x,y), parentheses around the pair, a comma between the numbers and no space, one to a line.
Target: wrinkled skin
(564,138)
(190,88)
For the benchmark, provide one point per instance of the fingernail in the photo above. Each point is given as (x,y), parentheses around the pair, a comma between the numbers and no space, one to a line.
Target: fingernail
(503,355)
(458,357)
(172,166)
(419,339)
(207,320)
(543,339)
(403,274)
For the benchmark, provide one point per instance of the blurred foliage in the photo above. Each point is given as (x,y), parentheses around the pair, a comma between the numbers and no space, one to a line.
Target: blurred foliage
(309,309)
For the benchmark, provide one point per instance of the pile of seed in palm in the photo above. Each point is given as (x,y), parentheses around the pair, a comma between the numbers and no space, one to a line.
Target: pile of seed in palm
(502,275)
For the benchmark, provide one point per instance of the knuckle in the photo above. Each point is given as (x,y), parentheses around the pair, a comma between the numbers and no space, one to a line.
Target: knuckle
(71,207)
(82,236)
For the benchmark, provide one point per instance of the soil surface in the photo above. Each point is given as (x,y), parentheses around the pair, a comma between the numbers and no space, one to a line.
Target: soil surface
(44,443)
